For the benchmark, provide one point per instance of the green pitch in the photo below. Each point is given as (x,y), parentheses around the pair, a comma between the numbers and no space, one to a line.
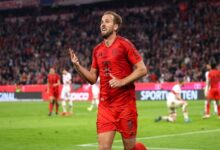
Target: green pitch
(26,126)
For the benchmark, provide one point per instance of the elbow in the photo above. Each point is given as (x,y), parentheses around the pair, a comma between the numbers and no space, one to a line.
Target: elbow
(92,82)
(144,71)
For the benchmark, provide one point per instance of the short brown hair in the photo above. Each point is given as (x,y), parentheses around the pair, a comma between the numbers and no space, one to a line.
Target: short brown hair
(117,18)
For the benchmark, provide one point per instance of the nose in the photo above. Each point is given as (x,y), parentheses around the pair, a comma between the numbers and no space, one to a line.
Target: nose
(102,25)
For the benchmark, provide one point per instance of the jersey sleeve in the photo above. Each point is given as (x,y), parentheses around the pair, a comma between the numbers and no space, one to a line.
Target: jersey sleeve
(132,53)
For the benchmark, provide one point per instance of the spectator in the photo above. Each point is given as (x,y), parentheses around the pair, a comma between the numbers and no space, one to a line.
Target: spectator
(171,39)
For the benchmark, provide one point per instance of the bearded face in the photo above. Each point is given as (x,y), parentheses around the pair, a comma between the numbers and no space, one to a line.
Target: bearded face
(107,26)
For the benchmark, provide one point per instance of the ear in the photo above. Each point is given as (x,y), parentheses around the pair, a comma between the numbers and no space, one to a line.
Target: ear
(116,27)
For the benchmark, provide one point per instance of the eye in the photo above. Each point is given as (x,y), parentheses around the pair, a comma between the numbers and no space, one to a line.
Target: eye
(107,21)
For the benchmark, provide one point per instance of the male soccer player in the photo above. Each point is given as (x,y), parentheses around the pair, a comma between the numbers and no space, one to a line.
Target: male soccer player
(65,93)
(118,64)
(213,86)
(95,96)
(53,82)
(207,102)
(175,101)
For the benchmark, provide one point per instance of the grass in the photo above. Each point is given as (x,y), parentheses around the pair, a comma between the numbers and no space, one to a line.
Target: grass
(26,126)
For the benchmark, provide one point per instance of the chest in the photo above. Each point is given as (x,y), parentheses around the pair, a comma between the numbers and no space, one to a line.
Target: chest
(53,79)
(66,78)
(113,55)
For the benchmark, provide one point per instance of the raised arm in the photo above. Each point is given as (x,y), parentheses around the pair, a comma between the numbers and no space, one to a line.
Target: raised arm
(89,75)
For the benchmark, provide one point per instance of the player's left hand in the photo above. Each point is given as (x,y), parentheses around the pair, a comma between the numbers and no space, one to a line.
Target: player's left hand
(115,82)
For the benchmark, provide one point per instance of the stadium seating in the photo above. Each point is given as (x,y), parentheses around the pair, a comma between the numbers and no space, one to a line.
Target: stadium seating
(172,39)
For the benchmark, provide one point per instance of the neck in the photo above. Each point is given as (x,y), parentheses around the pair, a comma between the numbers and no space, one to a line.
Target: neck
(109,40)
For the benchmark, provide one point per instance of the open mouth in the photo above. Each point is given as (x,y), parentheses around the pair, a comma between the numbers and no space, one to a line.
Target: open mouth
(104,29)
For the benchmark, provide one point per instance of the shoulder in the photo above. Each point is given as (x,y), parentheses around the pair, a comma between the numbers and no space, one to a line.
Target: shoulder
(97,46)
(58,75)
(124,40)
(211,72)
(176,86)
(126,43)
(206,73)
(69,75)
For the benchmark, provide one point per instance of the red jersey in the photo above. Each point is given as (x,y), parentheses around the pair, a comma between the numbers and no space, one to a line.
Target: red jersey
(118,60)
(53,90)
(214,78)
(53,79)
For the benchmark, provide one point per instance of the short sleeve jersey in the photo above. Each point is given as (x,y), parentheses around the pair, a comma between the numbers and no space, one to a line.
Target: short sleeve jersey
(117,60)
(53,79)
(214,78)
(66,78)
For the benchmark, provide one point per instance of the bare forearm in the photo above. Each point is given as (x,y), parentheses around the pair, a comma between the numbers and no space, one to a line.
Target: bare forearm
(90,76)
(135,75)
(86,74)
(57,84)
(139,71)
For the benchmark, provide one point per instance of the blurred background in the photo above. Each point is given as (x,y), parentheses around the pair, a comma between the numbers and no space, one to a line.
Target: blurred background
(173,36)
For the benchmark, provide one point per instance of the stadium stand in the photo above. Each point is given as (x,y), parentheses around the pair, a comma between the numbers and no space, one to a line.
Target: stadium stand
(173,37)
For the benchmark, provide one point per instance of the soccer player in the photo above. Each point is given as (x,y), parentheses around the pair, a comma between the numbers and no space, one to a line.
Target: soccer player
(213,86)
(207,102)
(53,82)
(118,64)
(95,96)
(65,93)
(175,101)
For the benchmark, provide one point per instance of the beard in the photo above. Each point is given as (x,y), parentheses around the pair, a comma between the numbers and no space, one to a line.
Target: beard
(107,34)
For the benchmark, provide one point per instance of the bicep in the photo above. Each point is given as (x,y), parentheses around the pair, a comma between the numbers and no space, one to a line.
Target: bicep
(140,65)
(140,69)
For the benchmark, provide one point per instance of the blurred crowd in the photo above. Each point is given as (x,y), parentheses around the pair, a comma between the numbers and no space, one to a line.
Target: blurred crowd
(173,38)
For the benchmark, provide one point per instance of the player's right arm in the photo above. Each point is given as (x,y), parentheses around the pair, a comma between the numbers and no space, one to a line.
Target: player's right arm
(89,75)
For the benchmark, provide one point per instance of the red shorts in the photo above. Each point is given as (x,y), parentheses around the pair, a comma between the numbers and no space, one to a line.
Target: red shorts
(121,120)
(214,94)
(54,92)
